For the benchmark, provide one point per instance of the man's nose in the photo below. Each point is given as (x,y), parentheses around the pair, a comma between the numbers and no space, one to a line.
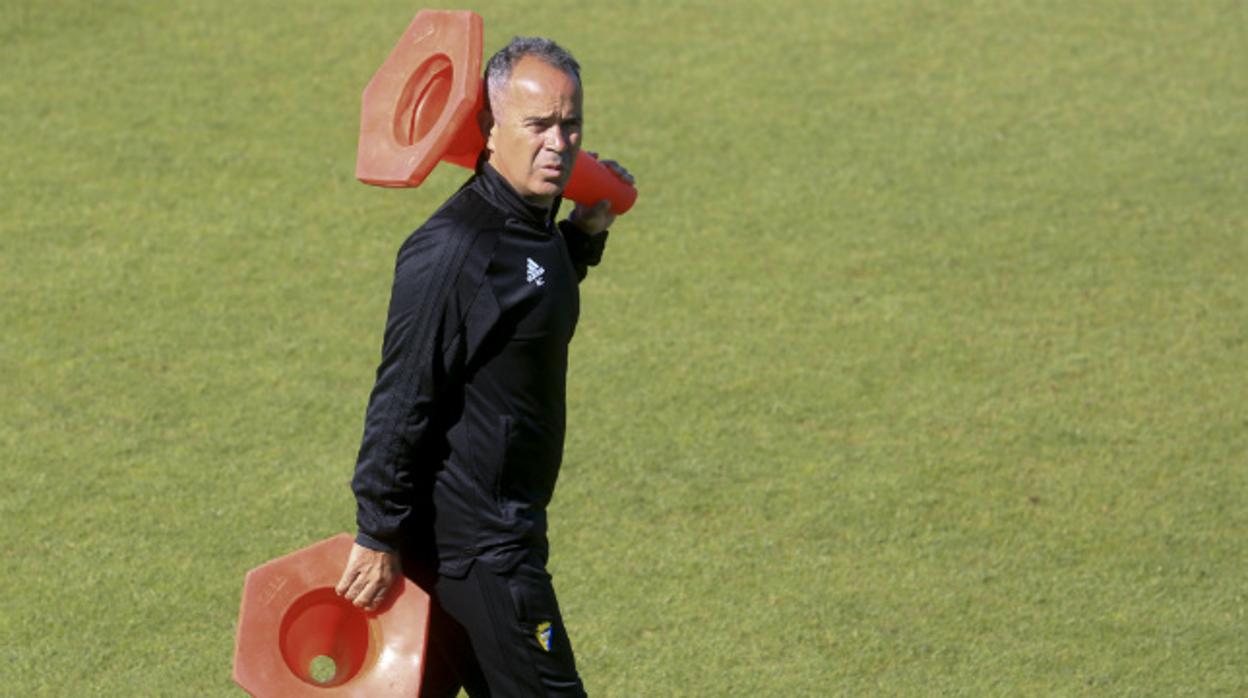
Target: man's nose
(556,140)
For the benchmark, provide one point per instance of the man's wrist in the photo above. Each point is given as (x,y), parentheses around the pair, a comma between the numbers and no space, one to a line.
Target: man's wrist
(580,227)
(364,540)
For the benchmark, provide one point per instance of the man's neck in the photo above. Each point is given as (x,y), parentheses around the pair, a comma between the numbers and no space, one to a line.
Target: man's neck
(543,202)
(541,212)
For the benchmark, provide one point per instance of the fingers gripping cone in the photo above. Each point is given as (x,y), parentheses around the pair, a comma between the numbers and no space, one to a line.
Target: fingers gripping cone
(296,637)
(421,108)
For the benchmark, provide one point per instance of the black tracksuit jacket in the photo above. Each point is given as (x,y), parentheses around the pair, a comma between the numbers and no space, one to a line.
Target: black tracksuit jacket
(464,431)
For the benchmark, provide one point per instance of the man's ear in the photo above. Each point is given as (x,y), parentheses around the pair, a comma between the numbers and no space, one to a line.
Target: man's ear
(485,121)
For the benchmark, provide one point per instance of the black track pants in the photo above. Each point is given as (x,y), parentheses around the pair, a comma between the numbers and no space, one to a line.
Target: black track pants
(498,636)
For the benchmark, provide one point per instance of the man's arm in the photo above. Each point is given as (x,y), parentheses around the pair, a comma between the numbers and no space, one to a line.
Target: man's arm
(584,248)
(399,412)
(585,230)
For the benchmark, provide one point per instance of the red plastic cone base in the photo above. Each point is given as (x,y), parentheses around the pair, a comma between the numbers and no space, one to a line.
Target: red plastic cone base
(421,108)
(425,95)
(296,637)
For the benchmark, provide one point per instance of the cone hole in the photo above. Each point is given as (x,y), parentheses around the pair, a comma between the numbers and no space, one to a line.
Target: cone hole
(324,639)
(323,669)
(423,99)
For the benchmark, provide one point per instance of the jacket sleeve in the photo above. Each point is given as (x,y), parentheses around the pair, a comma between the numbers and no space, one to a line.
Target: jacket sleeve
(586,248)
(405,395)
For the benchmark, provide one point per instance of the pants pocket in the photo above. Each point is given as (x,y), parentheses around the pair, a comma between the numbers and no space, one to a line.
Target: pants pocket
(540,641)
(537,610)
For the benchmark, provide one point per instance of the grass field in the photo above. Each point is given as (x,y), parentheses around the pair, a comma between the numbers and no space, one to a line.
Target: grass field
(920,368)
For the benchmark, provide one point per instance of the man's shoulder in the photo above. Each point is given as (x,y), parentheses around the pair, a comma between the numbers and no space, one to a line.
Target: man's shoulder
(464,216)
(468,210)
(462,228)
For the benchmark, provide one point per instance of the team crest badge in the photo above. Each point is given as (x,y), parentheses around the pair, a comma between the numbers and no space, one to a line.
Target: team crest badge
(544,635)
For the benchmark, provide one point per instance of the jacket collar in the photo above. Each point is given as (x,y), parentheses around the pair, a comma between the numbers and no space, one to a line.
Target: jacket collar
(500,192)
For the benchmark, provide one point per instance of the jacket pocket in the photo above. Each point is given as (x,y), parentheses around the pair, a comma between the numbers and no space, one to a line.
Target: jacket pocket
(498,456)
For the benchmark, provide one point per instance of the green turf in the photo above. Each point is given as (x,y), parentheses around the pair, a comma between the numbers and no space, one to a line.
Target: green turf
(920,368)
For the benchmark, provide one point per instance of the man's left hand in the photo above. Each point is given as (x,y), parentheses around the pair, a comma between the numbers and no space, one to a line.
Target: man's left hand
(597,218)
(369,574)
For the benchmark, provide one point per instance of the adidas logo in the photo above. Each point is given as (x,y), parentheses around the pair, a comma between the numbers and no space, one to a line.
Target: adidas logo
(535,272)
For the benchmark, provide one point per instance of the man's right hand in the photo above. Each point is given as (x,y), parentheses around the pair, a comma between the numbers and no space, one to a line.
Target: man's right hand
(368,576)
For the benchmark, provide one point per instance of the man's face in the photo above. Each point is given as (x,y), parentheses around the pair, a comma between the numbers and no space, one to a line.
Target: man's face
(536,133)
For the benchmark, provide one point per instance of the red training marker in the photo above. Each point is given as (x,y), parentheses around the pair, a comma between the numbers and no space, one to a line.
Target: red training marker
(421,108)
(296,637)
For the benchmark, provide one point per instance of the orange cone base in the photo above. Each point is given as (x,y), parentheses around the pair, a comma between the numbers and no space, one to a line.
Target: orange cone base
(296,637)
(422,101)
(421,108)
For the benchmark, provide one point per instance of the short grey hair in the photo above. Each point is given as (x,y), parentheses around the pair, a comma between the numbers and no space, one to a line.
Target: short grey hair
(498,69)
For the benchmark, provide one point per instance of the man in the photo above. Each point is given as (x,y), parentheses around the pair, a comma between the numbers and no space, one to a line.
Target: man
(464,432)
